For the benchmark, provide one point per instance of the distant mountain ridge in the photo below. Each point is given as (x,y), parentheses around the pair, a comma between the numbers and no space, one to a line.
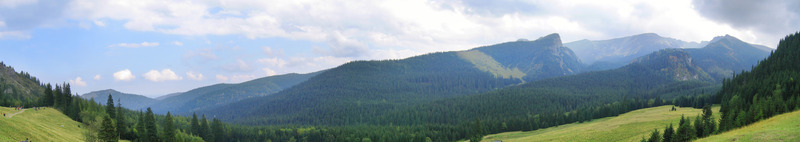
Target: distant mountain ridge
(617,52)
(131,101)
(203,97)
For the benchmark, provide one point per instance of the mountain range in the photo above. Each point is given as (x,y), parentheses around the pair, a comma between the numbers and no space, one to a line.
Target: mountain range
(460,84)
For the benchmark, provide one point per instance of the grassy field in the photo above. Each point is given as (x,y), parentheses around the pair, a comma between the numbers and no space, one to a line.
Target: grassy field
(38,125)
(631,126)
(784,127)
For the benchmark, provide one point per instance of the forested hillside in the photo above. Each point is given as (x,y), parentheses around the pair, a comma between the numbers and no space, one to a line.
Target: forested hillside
(647,78)
(769,89)
(18,88)
(221,94)
(358,91)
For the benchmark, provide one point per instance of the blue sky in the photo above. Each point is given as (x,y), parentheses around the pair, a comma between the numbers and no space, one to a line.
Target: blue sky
(156,47)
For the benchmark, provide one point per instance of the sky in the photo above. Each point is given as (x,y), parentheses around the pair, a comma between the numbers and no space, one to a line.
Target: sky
(157,47)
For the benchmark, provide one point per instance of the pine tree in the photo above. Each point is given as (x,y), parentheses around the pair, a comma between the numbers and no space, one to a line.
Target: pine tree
(218,130)
(48,94)
(195,125)
(110,109)
(685,131)
(150,125)
(122,126)
(668,132)
(107,132)
(699,127)
(654,137)
(204,129)
(169,128)
(141,127)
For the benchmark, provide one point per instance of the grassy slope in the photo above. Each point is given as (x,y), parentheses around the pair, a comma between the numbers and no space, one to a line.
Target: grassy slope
(631,126)
(41,125)
(784,127)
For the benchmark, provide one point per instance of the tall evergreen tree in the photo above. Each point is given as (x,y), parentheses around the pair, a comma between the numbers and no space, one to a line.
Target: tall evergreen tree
(699,127)
(655,136)
(122,126)
(150,126)
(204,128)
(218,130)
(668,132)
(195,130)
(685,131)
(141,127)
(107,132)
(48,94)
(169,128)
(110,109)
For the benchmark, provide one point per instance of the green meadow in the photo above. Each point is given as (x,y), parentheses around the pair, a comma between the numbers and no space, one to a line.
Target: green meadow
(631,126)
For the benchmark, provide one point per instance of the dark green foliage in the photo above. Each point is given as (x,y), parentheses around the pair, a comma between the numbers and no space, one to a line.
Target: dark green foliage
(110,109)
(169,129)
(685,131)
(760,93)
(655,136)
(195,125)
(108,133)
(141,127)
(122,124)
(151,133)
(205,130)
(668,132)
(218,131)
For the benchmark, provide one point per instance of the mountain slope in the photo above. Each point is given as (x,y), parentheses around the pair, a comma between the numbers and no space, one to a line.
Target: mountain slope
(725,55)
(614,53)
(769,89)
(18,85)
(39,125)
(220,94)
(130,101)
(647,78)
(356,91)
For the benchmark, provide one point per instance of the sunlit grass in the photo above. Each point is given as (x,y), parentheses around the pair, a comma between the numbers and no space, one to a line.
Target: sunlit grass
(784,127)
(631,126)
(41,125)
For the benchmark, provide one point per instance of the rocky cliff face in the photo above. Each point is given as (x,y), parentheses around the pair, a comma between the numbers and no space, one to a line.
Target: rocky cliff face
(677,63)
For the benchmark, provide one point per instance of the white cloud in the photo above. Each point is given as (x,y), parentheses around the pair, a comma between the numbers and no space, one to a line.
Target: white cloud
(272,52)
(222,78)
(135,45)
(274,61)
(239,66)
(268,71)
(78,81)
(124,75)
(99,23)
(97,77)
(164,75)
(195,76)
(242,78)
(178,43)
(355,28)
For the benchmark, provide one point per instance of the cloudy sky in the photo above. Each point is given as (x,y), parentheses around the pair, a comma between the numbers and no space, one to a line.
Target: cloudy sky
(156,47)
